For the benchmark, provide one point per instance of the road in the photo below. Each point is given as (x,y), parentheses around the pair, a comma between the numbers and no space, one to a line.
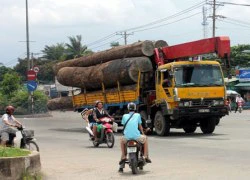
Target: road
(66,152)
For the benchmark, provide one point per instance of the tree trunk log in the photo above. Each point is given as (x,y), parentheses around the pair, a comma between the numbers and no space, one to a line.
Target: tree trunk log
(144,48)
(160,43)
(60,103)
(125,71)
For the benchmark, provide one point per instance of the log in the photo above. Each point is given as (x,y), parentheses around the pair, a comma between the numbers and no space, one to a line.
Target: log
(160,43)
(143,48)
(60,103)
(125,71)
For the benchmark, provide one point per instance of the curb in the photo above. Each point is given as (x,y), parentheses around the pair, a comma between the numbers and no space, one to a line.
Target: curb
(15,167)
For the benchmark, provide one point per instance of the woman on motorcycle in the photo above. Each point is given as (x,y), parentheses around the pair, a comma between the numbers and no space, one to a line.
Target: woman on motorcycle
(9,123)
(98,113)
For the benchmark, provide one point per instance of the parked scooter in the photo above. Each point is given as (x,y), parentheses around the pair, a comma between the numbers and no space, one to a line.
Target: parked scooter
(106,134)
(134,150)
(24,139)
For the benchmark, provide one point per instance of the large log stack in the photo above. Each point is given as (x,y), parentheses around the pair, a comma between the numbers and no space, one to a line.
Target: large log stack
(120,64)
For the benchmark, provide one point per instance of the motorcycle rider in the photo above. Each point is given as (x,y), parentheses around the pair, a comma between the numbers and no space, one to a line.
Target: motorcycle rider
(9,123)
(131,131)
(99,112)
(238,99)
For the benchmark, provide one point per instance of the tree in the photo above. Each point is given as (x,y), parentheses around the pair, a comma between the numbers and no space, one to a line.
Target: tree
(11,83)
(4,70)
(55,52)
(75,48)
(238,57)
(114,44)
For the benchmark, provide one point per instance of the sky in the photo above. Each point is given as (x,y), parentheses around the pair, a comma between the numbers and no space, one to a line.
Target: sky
(100,22)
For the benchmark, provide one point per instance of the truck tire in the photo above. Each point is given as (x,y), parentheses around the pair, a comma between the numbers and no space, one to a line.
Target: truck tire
(143,114)
(190,129)
(161,124)
(217,121)
(208,125)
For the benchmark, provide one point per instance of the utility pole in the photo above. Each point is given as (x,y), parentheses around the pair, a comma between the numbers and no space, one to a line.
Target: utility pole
(125,35)
(204,22)
(27,36)
(214,17)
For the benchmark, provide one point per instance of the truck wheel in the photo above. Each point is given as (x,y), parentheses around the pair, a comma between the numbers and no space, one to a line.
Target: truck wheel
(190,129)
(161,124)
(217,121)
(208,125)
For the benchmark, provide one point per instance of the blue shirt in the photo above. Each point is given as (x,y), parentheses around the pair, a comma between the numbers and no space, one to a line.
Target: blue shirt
(131,130)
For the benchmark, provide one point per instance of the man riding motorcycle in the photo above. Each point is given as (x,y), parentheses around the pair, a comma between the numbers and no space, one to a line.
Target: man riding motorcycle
(9,123)
(131,131)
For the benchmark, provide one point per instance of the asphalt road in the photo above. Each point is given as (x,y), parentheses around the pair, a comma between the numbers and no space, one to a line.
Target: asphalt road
(66,152)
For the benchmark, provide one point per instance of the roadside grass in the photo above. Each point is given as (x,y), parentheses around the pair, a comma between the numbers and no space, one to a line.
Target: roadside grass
(13,152)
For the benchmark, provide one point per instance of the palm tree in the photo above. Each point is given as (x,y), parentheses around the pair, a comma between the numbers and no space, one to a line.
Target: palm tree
(75,48)
(54,52)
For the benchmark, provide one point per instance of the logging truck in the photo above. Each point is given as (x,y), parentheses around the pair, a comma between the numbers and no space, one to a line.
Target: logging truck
(183,90)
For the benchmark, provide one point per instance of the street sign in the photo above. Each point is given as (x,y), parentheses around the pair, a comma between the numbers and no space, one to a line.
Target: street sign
(31,85)
(36,69)
(31,75)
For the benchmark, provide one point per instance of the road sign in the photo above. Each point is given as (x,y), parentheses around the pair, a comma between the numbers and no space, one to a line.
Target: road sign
(31,75)
(36,69)
(31,85)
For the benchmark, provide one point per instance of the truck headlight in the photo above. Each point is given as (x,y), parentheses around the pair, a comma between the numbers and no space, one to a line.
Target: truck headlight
(218,102)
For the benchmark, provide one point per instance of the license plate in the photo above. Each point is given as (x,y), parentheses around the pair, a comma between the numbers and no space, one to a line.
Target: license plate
(131,149)
(204,110)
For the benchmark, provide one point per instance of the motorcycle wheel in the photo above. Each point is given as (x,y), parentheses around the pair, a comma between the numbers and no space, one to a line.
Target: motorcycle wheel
(134,166)
(96,144)
(110,140)
(32,146)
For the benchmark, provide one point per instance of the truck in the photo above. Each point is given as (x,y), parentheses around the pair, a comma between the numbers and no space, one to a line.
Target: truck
(184,91)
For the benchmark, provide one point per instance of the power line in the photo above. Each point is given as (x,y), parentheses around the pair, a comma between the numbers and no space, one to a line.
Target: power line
(148,24)
(124,35)
(169,17)
(237,4)
(167,23)
(106,43)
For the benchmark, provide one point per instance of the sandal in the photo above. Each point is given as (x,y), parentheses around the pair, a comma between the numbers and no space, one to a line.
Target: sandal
(122,161)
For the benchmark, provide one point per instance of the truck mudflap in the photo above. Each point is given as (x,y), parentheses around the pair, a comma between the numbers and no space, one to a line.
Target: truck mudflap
(200,111)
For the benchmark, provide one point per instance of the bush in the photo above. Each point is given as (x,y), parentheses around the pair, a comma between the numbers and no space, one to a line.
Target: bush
(20,101)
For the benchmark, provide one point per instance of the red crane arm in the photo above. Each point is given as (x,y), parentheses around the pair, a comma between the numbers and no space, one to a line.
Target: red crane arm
(219,45)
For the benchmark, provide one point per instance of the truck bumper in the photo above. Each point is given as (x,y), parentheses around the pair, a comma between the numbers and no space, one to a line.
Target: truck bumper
(200,112)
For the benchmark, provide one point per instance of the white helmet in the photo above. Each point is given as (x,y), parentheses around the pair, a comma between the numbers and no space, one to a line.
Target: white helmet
(131,106)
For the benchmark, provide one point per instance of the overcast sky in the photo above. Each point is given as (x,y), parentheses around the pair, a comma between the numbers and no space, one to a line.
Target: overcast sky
(52,21)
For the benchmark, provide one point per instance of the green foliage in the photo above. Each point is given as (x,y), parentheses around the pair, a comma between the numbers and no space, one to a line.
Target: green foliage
(20,101)
(10,83)
(75,48)
(54,52)
(4,70)
(114,44)
(238,57)
(13,152)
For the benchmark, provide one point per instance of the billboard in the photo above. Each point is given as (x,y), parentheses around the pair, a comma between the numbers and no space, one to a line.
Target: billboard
(244,75)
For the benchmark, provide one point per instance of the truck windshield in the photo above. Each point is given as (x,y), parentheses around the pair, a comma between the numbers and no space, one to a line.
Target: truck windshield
(198,75)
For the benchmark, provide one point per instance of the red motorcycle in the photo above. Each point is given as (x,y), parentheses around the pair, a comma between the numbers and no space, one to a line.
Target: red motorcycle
(105,134)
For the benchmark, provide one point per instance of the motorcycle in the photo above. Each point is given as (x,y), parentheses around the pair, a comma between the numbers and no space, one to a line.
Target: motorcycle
(135,150)
(240,108)
(105,135)
(23,139)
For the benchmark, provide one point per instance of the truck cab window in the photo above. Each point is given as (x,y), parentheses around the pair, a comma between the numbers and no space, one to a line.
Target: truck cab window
(166,79)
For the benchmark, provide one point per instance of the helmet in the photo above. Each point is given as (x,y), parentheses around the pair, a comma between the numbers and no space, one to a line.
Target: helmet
(97,102)
(10,109)
(131,106)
